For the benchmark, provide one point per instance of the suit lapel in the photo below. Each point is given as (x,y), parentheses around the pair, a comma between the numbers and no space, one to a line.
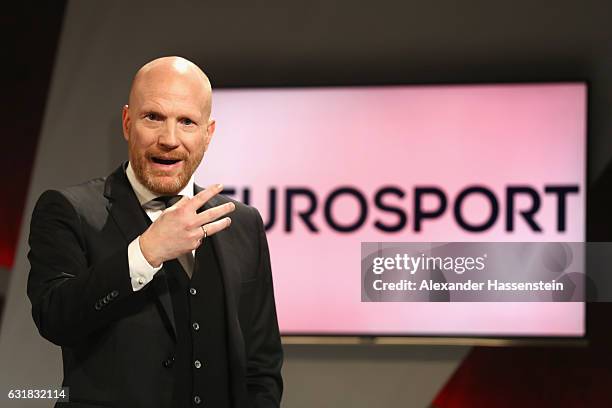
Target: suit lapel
(224,247)
(124,208)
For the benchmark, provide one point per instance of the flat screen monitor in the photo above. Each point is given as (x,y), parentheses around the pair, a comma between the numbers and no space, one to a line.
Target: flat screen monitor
(332,167)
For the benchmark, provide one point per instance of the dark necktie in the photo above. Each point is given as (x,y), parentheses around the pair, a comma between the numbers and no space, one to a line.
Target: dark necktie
(168,201)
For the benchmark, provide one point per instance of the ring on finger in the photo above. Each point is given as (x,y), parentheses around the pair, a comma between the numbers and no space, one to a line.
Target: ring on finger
(204,231)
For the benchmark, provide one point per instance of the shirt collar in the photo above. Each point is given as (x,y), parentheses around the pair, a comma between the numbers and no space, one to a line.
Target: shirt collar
(145,195)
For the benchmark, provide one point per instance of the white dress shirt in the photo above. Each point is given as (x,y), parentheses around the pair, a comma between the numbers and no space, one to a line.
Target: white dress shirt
(141,272)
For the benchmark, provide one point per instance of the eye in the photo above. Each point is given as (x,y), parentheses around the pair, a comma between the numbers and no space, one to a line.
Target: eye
(152,116)
(187,122)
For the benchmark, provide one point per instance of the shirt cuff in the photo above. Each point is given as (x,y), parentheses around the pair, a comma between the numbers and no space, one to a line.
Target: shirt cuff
(141,272)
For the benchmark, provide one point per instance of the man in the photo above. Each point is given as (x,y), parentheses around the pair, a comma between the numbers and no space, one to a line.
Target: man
(154,298)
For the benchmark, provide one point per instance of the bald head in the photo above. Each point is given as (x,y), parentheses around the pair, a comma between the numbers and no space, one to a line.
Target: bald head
(164,70)
(167,123)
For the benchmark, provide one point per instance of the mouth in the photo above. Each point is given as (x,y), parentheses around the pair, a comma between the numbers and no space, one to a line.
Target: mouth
(165,162)
(160,160)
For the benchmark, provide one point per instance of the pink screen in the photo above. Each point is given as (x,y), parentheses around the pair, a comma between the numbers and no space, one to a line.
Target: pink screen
(366,138)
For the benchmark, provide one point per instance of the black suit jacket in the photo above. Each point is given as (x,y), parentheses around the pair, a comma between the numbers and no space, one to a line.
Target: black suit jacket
(114,340)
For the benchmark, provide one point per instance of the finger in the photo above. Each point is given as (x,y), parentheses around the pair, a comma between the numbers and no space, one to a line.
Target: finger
(213,213)
(203,196)
(214,227)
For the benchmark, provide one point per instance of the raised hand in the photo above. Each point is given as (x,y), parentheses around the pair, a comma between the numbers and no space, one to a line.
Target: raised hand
(180,229)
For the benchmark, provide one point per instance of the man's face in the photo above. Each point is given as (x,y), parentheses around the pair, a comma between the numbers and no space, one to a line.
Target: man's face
(168,130)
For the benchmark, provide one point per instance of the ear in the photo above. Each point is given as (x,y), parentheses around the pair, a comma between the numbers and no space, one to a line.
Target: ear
(126,121)
(210,130)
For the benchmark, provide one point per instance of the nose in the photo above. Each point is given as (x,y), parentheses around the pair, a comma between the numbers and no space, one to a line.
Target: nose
(168,138)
